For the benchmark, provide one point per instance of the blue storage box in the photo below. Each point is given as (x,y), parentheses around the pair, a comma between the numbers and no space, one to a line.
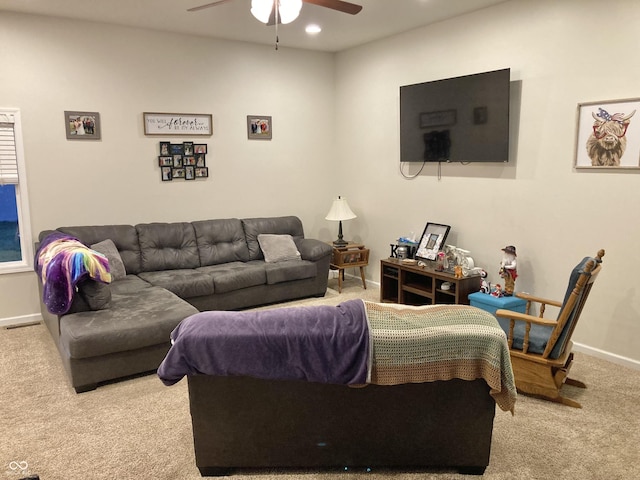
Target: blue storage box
(490,304)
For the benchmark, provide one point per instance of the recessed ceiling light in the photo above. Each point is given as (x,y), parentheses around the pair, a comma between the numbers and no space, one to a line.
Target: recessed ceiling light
(313,29)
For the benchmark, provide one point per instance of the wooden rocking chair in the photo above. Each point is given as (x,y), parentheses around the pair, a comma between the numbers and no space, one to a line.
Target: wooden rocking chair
(540,348)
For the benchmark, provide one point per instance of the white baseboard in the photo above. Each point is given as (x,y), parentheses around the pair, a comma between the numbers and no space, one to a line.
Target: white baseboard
(19,321)
(610,357)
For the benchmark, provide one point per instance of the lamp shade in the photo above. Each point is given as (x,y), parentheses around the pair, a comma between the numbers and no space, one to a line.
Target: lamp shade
(340,210)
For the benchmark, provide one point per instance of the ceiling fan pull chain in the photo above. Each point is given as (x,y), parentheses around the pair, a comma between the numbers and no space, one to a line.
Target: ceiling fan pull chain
(276,6)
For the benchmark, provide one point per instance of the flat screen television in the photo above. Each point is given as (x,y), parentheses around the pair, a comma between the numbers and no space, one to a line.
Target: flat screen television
(461,119)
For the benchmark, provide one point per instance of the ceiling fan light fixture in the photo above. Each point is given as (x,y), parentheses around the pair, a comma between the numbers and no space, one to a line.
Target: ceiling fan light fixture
(261,9)
(289,10)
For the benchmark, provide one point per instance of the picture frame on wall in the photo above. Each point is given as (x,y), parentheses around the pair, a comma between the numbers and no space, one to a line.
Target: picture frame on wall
(202,172)
(82,125)
(200,148)
(185,124)
(165,148)
(432,240)
(165,161)
(259,127)
(608,135)
(166,173)
(190,173)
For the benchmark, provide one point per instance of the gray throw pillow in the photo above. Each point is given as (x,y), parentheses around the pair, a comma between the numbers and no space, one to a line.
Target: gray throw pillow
(97,295)
(109,250)
(278,248)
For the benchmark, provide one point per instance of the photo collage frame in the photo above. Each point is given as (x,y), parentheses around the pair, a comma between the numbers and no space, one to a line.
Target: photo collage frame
(184,161)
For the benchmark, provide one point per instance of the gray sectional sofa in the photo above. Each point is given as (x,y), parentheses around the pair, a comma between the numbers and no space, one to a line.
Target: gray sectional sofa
(164,272)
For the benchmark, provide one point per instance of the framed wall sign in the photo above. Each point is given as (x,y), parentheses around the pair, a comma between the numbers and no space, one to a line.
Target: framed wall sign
(608,135)
(188,124)
(82,125)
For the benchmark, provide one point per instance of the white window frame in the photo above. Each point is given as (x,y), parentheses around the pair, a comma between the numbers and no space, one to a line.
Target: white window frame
(22,200)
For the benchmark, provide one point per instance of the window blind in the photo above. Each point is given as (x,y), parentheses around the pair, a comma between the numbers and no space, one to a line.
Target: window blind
(8,155)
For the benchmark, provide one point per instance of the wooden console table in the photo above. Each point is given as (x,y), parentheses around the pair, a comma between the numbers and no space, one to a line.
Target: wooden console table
(415,285)
(351,255)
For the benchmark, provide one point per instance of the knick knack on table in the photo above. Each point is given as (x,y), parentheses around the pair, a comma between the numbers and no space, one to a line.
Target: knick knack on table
(508,269)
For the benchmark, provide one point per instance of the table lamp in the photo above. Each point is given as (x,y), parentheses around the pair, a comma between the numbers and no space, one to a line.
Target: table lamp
(340,211)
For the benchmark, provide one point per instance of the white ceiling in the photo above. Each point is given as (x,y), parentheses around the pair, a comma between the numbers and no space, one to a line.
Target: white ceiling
(233,20)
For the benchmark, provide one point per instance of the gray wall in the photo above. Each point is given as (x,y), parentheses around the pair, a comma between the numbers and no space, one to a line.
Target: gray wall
(553,214)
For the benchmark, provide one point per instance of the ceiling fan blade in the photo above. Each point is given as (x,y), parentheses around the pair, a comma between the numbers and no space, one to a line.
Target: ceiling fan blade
(339,5)
(212,4)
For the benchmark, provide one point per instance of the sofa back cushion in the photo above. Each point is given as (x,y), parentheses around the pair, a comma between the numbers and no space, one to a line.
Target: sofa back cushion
(220,241)
(125,238)
(275,225)
(167,246)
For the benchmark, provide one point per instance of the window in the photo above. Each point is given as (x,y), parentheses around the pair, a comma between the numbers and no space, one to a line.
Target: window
(15,232)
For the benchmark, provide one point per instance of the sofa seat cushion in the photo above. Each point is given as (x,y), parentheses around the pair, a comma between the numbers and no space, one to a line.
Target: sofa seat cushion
(129,284)
(185,283)
(135,320)
(290,270)
(235,275)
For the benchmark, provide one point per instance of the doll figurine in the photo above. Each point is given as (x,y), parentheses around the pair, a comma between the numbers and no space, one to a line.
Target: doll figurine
(508,270)
(485,286)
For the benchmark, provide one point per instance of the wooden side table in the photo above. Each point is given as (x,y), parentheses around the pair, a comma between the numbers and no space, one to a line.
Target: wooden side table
(350,256)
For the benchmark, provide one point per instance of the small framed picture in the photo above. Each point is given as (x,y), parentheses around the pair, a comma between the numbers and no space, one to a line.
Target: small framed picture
(165,161)
(190,173)
(176,149)
(187,148)
(200,160)
(164,148)
(200,148)
(166,173)
(202,172)
(189,161)
(177,161)
(82,125)
(178,173)
(259,127)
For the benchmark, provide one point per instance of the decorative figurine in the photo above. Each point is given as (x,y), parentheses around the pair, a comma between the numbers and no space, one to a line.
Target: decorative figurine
(498,291)
(457,271)
(508,269)
(485,286)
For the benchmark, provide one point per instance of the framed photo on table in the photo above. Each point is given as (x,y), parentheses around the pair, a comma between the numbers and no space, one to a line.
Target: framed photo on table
(432,241)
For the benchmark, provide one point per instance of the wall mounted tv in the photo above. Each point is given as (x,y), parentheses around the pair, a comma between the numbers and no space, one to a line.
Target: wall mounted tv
(461,119)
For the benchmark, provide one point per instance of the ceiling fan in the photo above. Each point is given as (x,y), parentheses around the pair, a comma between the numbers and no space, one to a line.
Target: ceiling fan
(264,10)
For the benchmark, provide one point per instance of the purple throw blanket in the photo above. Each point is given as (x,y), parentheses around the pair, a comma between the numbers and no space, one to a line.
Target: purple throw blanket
(322,344)
(61,262)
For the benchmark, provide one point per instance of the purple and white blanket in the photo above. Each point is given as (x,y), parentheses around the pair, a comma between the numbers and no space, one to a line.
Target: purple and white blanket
(322,344)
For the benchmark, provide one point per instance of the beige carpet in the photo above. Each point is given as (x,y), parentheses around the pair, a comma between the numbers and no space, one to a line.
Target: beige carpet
(140,429)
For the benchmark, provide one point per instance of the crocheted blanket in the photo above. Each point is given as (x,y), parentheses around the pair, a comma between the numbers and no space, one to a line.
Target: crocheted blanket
(440,342)
(61,262)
